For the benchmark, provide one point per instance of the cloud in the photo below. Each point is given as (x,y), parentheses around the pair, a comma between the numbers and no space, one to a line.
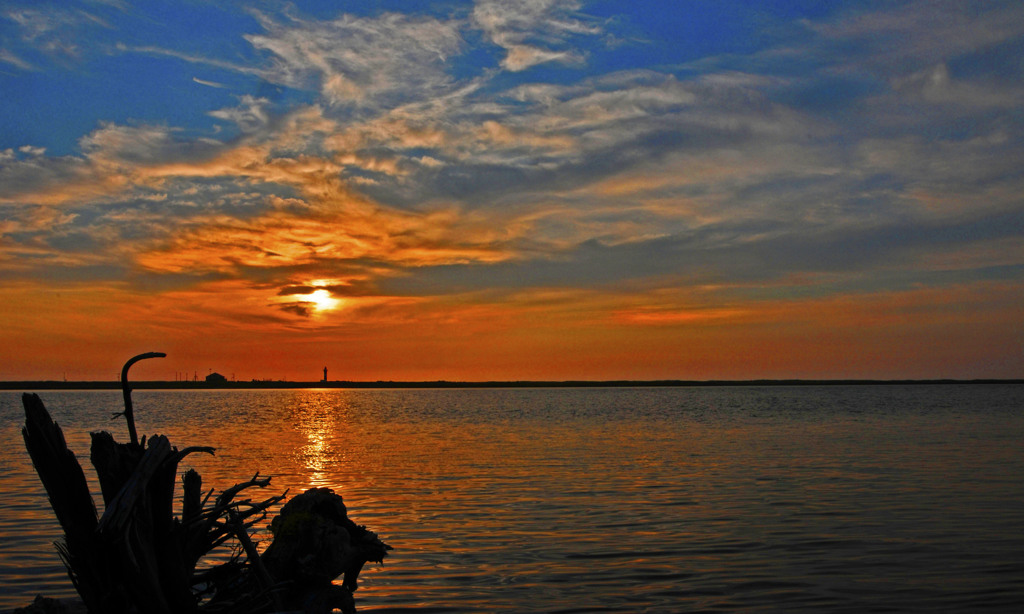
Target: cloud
(341,239)
(532,31)
(936,86)
(114,159)
(56,32)
(534,137)
(753,259)
(906,37)
(208,83)
(36,180)
(130,145)
(290,290)
(258,203)
(362,61)
(303,309)
(9,57)
(251,115)
(191,58)
(118,158)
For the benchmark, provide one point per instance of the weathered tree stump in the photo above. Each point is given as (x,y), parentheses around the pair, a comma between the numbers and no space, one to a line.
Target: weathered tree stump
(139,558)
(314,543)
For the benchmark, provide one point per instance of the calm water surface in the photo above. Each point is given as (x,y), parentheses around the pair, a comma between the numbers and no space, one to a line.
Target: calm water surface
(731,499)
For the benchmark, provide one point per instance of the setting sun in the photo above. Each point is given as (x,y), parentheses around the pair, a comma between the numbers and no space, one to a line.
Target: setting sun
(322,300)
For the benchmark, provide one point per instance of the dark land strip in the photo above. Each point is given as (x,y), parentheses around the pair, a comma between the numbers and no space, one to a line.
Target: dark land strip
(272,384)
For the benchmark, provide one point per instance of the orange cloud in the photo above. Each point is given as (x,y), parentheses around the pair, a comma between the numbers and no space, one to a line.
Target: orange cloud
(356,231)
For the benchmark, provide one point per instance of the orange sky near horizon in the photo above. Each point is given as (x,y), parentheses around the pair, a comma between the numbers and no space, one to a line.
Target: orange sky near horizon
(551,336)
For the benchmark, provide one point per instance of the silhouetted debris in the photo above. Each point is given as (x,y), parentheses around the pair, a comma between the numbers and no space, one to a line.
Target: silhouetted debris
(45,605)
(141,558)
(314,543)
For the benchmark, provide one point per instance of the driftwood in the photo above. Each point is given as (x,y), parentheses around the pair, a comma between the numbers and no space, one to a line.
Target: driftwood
(314,543)
(138,557)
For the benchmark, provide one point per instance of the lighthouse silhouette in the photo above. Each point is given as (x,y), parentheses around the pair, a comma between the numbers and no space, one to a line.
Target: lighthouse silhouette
(325,374)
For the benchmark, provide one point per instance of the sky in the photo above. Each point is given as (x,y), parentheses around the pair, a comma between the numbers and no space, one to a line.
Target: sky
(500,190)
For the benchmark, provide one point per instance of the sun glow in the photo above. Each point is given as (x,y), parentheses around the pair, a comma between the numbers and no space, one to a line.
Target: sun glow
(322,300)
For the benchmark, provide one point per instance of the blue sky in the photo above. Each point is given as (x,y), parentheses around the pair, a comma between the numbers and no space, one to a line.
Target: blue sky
(839,181)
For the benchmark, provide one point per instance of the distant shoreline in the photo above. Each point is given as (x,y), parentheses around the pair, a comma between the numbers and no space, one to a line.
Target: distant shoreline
(269,384)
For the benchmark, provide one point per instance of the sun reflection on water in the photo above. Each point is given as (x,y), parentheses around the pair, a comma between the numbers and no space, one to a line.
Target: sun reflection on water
(316,420)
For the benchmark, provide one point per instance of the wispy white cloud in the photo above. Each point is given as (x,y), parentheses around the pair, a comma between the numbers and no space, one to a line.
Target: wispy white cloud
(533,31)
(56,32)
(191,58)
(360,60)
(208,83)
(8,57)
(252,114)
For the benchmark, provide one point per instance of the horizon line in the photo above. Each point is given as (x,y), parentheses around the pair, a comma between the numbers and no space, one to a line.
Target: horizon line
(581,383)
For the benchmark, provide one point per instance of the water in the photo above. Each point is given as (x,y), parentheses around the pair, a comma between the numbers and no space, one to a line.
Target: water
(727,499)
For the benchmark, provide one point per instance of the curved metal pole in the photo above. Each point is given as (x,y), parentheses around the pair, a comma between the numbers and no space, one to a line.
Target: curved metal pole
(129,414)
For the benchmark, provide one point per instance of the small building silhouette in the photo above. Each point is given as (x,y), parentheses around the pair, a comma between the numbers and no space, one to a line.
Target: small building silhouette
(216,378)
